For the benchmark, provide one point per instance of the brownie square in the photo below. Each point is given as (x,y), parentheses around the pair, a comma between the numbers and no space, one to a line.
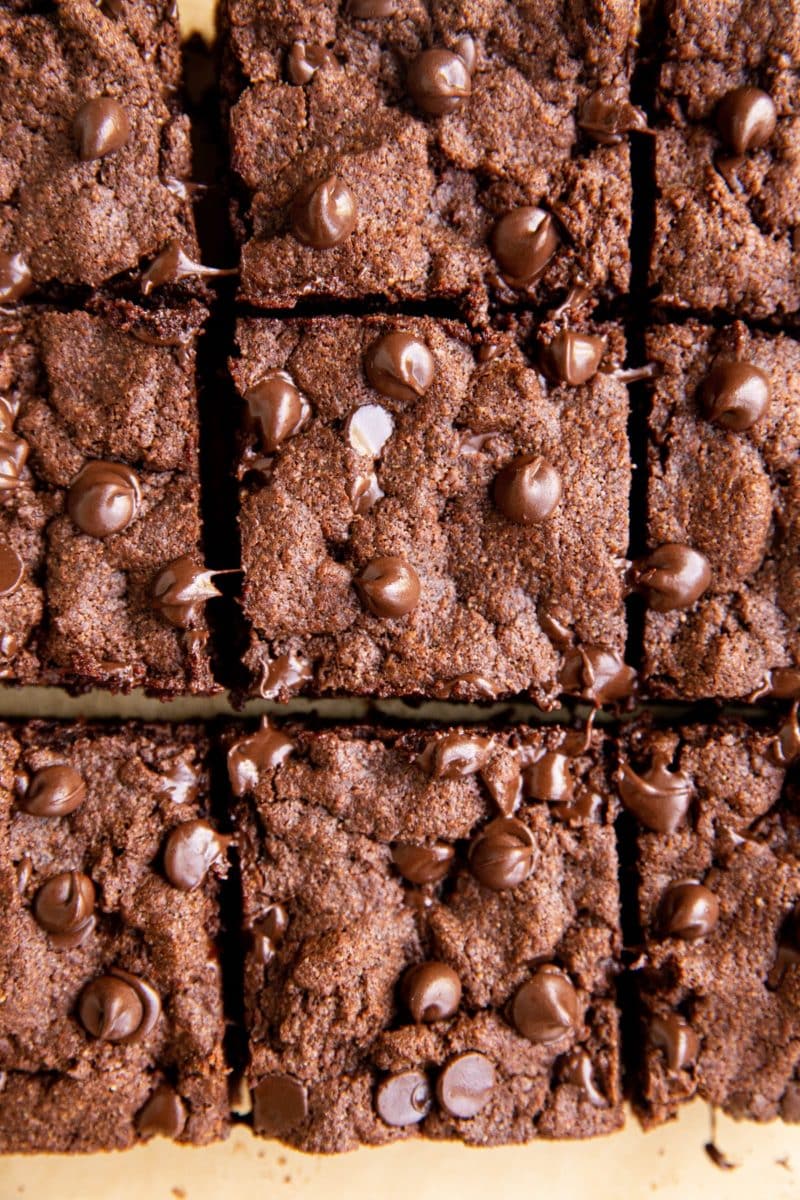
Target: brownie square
(727,157)
(719,905)
(95,148)
(430,150)
(724,481)
(433,927)
(101,575)
(112,1017)
(421,515)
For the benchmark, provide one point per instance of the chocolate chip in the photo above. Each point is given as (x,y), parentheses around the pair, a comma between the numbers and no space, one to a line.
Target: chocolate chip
(596,674)
(523,242)
(261,751)
(280,1104)
(672,577)
(11,570)
(676,1038)
(545,1008)
(54,792)
(403,1099)
(572,357)
(101,126)
(455,755)
(465,1086)
(786,747)
(15,278)
(275,410)
(13,456)
(502,854)
(689,910)
(399,365)
(431,992)
(164,1114)
(527,490)
(286,673)
(324,213)
(735,394)
(465,49)
(549,777)
(784,683)
(304,61)
(439,81)
(173,264)
(180,590)
(368,10)
(369,429)
(110,1009)
(191,850)
(64,907)
(746,119)
(103,498)
(503,779)
(269,931)
(389,587)
(577,1069)
(607,115)
(423,864)
(659,798)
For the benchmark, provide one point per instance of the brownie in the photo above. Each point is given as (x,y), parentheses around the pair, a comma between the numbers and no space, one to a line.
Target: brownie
(101,575)
(433,934)
(423,515)
(436,150)
(719,904)
(95,149)
(112,1017)
(723,573)
(727,157)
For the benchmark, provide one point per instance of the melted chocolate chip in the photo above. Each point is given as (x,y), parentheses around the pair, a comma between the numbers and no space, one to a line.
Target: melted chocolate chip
(404,1098)
(324,213)
(180,589)
(389,587)
(191,850)
(465,1086)
(577,1069)
(304,61)
(261,751)
(746,119)
(11,570)
(455,755)
(368,10)
(119,1007)
(15,278)
(54,792)
(786,747)
(545,1008)
(101,127)
(678,1041)
(423,864)
(285,674)
(596,674)
(280,1104)
(64,907)
(103,498)
(365,492)
(164,1115)
(527,490)
(502,855)
(549,777)
(439,81)
(275,409)
(523,242)
(572,358)
(173,264)
(607,115)
(369,429)
(399,365)
(689,910)
(735,394)
(431,992)
(269,931)
(673,577)
(658,798)
(13,456)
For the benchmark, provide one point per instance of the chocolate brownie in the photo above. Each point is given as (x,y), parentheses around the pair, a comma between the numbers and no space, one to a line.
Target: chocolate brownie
(95,149)
(415,150)
(433,934)
(112,1018)
(727,157)
(719,904)
(723,573)
(421,515)
(101,573)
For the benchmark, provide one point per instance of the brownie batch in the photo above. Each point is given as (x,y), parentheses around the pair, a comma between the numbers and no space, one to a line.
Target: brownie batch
(465,231)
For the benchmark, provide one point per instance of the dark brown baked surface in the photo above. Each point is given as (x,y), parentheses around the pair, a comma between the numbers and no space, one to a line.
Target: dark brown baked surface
(97,877)
(504,604)
(328,823)
(79,603)
(335,91)
(718,980)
